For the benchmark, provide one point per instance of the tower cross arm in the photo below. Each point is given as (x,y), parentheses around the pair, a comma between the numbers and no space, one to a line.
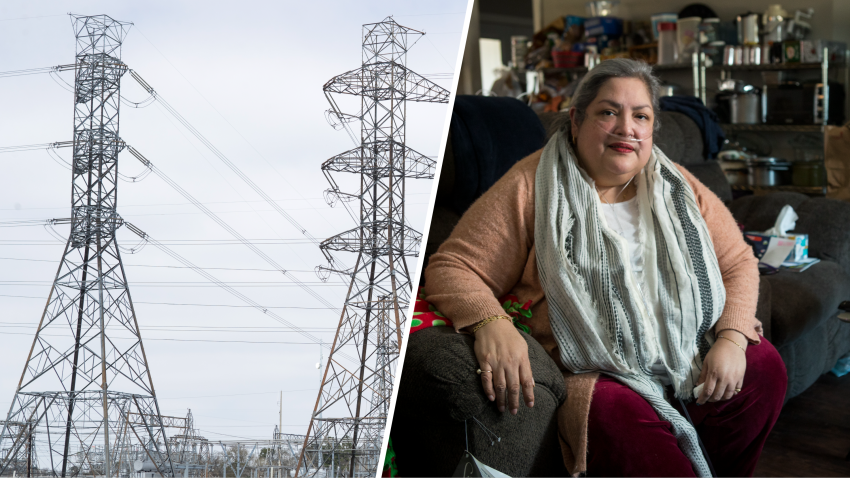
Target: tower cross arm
(387,80)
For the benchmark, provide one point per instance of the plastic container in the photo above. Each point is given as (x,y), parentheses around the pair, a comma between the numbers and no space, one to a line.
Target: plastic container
(659,18)
(668,50)
(687,35)
(567,59)
(808,173)
(519,50)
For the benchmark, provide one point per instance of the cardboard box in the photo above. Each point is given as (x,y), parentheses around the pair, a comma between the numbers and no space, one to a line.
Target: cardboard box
(791,51)
(603,26)
(811,51)
(760,242)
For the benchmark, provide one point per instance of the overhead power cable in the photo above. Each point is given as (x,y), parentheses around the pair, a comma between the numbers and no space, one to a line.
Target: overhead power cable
(35,71)
(230,229)
(184,305)
(238,269)
(229,289)
(222,157)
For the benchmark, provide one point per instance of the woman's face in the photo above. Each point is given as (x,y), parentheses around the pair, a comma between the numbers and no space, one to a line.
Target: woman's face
(622,109)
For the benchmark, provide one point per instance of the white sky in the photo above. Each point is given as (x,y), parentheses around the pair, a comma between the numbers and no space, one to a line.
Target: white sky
(261,66)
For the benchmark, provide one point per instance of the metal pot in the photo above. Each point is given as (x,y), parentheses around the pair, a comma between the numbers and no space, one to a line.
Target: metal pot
(745,108)
(769,172)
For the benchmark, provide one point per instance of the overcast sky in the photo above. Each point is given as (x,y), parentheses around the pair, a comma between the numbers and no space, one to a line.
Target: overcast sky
(249,76)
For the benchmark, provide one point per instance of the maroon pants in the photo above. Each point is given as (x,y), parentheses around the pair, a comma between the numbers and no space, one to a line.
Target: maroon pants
(626,437)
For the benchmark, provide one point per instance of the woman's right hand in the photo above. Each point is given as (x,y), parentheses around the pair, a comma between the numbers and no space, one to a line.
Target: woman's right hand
(501,349)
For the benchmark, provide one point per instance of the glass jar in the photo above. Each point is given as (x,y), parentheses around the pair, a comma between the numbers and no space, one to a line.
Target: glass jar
(809,173)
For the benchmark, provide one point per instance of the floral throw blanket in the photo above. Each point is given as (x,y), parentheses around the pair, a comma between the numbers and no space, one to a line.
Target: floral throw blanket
(426,315)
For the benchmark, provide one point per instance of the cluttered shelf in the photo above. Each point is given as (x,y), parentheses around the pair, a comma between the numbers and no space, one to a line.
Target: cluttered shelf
(760,190)
(583,69)
(786,128)
(777,66)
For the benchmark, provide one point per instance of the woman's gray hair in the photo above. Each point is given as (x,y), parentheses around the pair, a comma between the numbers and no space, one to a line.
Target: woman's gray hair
(589,86)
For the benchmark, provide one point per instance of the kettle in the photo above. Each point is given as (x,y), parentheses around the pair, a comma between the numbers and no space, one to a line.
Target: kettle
(748,29)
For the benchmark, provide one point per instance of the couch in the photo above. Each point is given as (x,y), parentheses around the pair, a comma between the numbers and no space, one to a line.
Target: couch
(440,404)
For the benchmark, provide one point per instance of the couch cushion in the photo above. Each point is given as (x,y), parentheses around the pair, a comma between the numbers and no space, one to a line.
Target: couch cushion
(439,390)
(800,301)
(826,221)
(758,213)
(711,175)
(680,138)
(489,135)
(444,362)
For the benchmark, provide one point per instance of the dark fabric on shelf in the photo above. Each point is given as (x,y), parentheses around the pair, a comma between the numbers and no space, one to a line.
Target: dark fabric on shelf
(489,135)
(439,389)
(628,439)
(705,119)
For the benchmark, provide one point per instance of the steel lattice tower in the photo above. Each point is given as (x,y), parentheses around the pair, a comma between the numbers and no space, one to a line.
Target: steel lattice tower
(86,372)
(353,402)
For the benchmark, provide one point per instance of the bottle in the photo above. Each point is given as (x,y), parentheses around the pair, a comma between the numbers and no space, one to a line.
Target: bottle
(668,50)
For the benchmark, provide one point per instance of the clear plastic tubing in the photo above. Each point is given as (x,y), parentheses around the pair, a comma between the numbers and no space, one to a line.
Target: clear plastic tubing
(639,134)
(668,50)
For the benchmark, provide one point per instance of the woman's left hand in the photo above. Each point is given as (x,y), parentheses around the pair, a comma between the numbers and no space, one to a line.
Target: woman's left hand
(723,368)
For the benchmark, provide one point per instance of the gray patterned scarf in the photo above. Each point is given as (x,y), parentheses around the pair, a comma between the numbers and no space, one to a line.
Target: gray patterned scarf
(596,304)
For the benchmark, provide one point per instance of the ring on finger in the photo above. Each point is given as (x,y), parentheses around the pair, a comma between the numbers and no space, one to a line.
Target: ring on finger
(479,371)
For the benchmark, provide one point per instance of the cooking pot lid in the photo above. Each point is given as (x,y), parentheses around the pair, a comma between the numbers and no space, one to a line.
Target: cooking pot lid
(767,162)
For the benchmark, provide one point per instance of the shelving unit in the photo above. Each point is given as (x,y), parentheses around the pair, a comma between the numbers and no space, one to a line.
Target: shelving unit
(699,69)
(777,128)
(762,190)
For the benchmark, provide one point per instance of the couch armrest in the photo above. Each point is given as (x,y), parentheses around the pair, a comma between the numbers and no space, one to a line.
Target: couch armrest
(439,395)
(826,221)
(801,301)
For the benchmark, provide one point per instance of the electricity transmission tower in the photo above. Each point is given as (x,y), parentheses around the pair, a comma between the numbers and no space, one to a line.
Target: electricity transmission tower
(86,373)
(353,402)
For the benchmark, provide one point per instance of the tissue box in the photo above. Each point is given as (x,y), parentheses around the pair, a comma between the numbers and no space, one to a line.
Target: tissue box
(759,241)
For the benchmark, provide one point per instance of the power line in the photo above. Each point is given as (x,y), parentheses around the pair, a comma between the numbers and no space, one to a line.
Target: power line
(231,330)
(240,394)
(283,177)
(225,286)
(178,267)
(224,225)
(29,18)
(221,156)
(176,340)
(189,305)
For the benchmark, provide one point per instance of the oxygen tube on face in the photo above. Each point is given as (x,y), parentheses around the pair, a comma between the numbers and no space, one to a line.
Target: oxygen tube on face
(639,132)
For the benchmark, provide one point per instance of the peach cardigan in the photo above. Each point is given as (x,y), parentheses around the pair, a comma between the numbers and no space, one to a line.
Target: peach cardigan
(491,253)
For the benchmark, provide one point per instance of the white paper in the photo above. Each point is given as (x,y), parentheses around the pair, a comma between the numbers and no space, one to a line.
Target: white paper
(777,251)
(488,472)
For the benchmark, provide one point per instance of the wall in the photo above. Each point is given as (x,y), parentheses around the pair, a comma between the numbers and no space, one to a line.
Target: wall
(831,20)
(500,19)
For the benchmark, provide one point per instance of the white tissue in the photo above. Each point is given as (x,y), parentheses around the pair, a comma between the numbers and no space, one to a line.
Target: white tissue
(698,390)
(785,222)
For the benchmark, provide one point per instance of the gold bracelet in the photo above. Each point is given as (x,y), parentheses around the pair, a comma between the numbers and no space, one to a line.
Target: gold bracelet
(736,343)
(488,320)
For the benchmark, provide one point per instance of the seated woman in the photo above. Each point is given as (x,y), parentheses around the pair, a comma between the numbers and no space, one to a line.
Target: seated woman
(642,286)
